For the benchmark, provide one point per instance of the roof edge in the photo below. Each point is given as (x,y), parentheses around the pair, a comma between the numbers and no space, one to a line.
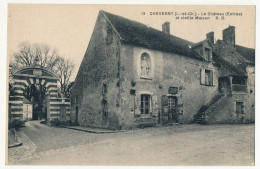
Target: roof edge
(103,12)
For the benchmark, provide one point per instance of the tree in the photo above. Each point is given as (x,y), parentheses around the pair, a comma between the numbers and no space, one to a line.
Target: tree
(47,57)
(36,94)
(69,88)
(27,53)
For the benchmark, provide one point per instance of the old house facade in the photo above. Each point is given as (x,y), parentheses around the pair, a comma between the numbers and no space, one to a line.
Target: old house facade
(27,109)
(133,75)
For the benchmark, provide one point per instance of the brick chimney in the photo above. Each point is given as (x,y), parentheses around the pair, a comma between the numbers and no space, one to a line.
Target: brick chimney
(210,37)
(229,36)
(166,27)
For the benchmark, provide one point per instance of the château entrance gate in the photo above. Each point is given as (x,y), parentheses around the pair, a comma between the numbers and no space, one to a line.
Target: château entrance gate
(36,75)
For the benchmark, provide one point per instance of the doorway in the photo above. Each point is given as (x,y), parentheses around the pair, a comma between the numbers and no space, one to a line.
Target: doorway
(169,110)
(172,110)
(36,94)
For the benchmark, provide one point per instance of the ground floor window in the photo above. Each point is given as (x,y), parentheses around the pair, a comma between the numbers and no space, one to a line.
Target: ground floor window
(145,103)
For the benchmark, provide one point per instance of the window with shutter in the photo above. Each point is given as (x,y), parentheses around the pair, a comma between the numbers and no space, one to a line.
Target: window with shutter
(145,103)
(202,76)
(206,77)
(211,78)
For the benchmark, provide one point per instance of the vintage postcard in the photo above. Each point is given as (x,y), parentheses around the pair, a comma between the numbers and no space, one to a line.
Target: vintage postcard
(131,85)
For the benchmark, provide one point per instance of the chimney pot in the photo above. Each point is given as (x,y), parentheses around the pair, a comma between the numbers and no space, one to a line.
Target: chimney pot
(229,36)
(210,37)
(166,27)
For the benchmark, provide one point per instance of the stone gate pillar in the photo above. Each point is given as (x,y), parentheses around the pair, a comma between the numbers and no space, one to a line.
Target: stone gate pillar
(47,100)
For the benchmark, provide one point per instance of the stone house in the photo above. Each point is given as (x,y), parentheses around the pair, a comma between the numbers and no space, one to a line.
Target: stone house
(134,75)
(27,109)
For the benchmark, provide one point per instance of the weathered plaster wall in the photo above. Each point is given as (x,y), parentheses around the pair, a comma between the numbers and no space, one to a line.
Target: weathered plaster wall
(224,111)
(185,72)
(251,91)
(168,70)
(99,65)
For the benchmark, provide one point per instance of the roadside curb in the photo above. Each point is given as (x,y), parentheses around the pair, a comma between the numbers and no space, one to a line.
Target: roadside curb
(22,152)
(15,145)
(16,138)
(90,131)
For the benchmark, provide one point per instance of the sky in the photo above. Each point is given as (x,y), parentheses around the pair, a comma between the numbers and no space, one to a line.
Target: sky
(68,28)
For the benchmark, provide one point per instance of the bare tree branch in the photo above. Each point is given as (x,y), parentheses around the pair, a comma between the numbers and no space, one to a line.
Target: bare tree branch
(48,58)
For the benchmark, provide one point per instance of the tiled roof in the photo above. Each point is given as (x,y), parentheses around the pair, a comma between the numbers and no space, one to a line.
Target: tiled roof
(201,43)
(142,35)
(247,53)
(230,59)
(227,68)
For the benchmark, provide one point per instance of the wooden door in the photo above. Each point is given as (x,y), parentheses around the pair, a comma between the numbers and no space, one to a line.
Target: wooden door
(171,109)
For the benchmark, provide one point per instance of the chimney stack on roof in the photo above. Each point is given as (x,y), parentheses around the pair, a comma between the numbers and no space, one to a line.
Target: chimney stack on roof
(166,27)
(210,37)
(229,36)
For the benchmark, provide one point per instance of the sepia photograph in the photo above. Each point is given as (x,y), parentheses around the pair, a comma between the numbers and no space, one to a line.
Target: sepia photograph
(130,85)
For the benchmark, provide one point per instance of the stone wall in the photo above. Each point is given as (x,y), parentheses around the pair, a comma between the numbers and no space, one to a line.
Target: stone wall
(168,70)
(224,111)
(111,79)
(98,70)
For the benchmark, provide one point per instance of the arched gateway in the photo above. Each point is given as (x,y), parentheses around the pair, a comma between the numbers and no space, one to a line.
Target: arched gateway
(57,108)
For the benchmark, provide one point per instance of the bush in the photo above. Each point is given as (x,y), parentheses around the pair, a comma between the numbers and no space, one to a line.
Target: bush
(16,124)
(57,122)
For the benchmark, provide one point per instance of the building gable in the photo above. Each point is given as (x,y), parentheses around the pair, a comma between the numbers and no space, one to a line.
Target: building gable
(144,36)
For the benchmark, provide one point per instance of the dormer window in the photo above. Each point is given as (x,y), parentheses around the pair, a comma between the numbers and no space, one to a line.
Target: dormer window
(207,54)
(204,49)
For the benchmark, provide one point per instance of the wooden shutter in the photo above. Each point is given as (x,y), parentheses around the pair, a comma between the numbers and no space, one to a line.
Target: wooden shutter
(151,104)
(211,77)
(154,104)
(137,104)
(202,76)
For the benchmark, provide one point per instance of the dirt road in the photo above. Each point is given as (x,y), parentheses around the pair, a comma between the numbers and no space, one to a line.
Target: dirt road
(173,145)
